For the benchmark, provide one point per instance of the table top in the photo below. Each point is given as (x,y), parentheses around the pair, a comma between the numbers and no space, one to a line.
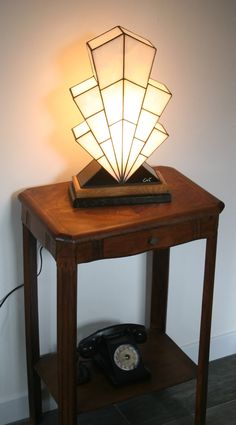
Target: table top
(51,206)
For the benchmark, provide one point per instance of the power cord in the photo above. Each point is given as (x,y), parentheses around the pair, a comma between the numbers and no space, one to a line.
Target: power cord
(2,301)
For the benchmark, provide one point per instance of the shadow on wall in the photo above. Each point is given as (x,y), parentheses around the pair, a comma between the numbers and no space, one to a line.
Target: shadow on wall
(72,67)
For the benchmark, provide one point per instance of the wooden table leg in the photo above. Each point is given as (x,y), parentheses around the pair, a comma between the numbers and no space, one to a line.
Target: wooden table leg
(31,324)
(160,280)
(205,332)
(66,339)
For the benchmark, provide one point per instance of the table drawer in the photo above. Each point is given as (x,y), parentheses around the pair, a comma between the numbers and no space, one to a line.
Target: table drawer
(160,237)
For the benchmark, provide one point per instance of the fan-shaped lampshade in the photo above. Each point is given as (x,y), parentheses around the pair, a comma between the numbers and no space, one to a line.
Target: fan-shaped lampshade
(120,103)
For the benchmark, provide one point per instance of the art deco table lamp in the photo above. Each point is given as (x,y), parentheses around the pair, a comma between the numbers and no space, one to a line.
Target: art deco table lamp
(121,106)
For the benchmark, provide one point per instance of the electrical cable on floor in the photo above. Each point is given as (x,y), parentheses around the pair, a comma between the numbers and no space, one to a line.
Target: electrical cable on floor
(2,301)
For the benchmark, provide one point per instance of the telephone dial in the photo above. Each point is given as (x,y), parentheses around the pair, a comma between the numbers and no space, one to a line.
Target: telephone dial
(115,350)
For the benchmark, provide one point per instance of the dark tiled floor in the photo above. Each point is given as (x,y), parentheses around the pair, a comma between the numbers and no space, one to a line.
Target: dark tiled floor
(174,406)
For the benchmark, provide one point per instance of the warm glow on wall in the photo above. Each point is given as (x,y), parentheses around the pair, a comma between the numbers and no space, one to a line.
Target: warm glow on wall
(121,105)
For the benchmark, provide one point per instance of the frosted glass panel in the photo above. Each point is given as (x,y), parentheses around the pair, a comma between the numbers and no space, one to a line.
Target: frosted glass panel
(105,164)
(107,148)
(137,145)
(83,87)
(80,129)
(108,62)
(156,99)
(116,135)
(89,102)
(113,102)
(156,139)
(138,61)
(99,127)
(145,125)
(90,144)
(159,85)
(104,38)
(133,99)
(139,161)
(160,127)
(121,104)
(143,40)
(128,134)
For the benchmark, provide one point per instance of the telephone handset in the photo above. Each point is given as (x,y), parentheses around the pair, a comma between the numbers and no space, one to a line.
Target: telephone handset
(114,349)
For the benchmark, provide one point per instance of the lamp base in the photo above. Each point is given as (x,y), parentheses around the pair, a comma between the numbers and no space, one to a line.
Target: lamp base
(94,187)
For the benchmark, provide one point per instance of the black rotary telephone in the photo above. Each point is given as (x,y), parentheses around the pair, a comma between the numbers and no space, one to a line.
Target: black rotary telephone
(114,349)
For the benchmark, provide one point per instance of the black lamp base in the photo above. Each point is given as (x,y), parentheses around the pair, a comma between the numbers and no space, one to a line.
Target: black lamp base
(94,187)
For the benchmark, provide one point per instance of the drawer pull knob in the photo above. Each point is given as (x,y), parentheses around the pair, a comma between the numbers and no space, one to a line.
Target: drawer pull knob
(153,240)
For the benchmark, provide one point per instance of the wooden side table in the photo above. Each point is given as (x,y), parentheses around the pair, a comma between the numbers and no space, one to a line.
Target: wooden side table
(76,236)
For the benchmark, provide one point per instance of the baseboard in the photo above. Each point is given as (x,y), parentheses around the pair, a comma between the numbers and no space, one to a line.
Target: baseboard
(14,410)
(221,346)
(17,409)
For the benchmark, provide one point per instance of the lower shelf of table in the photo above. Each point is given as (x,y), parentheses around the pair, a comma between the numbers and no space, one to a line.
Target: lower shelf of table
(167,362)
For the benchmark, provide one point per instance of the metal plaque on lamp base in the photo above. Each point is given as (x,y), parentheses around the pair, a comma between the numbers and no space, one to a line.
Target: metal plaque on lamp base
(94,187)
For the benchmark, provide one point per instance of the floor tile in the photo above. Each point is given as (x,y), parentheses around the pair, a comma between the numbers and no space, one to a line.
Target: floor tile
(222,381)
(107,416)
(158,409)
(223,414)
(182,395)
(49,419)
(189,420)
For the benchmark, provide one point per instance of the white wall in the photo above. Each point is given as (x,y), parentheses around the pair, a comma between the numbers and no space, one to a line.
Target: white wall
(42,55)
